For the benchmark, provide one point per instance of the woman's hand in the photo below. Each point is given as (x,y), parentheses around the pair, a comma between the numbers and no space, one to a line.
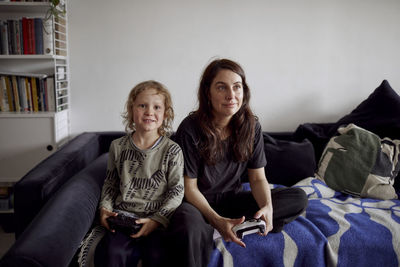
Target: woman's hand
(222,224)
(265,214)
(224,227)
(262,194)
(104,214)
(148,226)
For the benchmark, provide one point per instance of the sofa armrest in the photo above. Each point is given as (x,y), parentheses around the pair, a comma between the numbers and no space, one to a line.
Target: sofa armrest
(39,184)
(54,236)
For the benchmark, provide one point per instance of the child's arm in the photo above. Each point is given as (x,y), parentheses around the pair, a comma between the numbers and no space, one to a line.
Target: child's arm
(175,189)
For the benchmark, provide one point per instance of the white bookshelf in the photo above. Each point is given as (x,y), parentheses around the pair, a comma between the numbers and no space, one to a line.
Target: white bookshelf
(26,138)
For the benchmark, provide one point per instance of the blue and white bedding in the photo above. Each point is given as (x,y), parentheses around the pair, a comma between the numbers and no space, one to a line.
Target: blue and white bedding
(335,230)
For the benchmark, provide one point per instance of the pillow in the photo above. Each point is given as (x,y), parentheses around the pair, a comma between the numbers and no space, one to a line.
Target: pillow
(287,161)
(379,113)
(360,163)
(317,133)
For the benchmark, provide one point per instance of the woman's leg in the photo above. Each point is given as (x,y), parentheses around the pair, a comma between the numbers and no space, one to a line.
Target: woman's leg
(190,238)
(287,202)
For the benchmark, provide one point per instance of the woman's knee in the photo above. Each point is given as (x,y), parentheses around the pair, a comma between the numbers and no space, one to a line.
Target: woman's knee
(289,201)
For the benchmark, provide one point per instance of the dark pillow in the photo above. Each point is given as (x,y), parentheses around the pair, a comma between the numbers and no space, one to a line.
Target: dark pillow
(317,133)
(287,161)
(379,113)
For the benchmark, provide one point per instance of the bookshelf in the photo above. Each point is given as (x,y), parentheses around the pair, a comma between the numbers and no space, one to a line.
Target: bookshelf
(37,122)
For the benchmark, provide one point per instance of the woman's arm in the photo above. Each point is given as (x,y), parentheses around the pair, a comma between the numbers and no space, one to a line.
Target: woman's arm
(222,224)
(262,194)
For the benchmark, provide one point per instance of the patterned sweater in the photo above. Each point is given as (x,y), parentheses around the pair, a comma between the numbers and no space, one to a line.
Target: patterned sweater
(148,182)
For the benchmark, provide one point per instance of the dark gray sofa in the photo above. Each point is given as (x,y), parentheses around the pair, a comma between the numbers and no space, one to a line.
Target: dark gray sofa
(56,202)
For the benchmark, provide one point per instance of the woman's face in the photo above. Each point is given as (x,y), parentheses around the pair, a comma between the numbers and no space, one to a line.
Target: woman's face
(226,94)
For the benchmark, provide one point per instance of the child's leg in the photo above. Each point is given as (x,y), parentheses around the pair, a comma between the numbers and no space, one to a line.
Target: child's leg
(153,249)
(117,249)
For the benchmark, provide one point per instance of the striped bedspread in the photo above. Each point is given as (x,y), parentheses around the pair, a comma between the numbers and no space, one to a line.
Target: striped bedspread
(335,230)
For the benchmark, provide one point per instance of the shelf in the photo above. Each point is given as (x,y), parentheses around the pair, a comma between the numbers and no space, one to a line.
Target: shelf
(35,57)
(9,211)
(40,114)
(26,7)
(26,138)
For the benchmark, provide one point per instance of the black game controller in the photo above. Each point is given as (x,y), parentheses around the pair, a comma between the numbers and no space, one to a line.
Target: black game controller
(249,227)
(124,222)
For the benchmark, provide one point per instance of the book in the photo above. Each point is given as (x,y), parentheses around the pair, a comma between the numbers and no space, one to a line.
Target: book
(4,37)
(28,93)
(25,37)
(31,36)
(5,106)
(34,94)
(2,96)
(50,93)
(41,94)
(17,30)
(48,36)
(14,83)
(23,99)
(38,25)
(10,95)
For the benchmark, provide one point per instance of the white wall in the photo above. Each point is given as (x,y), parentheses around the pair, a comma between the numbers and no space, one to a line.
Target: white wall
(305,60)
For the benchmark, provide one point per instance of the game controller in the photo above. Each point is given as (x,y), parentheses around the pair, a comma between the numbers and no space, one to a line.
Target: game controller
(124,222)
(249,227)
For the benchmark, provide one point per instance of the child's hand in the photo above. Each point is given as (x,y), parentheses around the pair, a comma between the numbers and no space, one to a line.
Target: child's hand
(104,214)
(148,226)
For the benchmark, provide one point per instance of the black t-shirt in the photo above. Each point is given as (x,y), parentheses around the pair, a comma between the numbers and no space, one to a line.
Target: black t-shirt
(225,175)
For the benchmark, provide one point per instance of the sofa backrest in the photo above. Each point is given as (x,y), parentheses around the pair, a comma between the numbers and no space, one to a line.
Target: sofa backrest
(41,183)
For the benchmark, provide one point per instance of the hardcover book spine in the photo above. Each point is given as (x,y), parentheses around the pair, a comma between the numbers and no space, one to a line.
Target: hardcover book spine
(48,37)
(4,37)
(38,24)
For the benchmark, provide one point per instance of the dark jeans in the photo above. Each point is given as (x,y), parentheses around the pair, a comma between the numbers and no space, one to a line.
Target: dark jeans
(118,249)
(191,237)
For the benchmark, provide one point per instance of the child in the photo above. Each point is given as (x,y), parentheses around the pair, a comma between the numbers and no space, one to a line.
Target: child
(144,176)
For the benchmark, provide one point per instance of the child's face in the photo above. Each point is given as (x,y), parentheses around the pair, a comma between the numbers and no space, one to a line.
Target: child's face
(148,110)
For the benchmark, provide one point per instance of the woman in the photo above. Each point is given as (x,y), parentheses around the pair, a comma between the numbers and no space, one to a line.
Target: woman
(221,140)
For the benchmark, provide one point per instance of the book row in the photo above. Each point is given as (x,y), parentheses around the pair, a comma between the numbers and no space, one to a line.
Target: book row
(26,36)
(24,93)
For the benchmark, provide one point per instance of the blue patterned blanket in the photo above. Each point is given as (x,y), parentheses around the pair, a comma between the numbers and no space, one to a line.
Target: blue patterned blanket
(335,230)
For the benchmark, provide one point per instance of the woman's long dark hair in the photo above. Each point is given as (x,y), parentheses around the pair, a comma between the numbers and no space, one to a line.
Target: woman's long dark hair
(241,125)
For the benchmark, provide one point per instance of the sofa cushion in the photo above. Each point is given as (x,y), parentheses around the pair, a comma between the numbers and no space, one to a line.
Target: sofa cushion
(360,163)
(69,213)
(288,161)
(317,133)
(379,113)
(39,184)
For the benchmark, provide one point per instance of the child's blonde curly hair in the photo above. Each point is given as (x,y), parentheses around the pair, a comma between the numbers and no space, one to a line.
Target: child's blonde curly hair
(127,115)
